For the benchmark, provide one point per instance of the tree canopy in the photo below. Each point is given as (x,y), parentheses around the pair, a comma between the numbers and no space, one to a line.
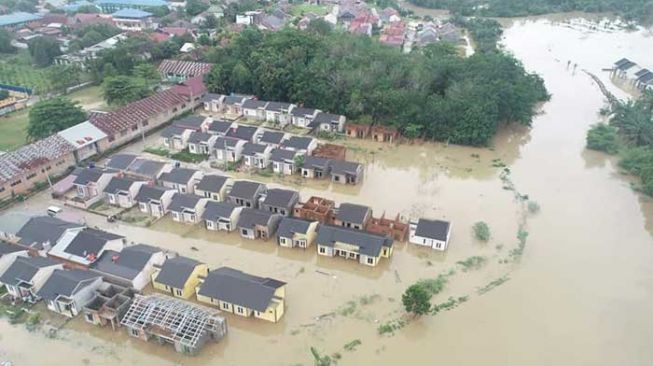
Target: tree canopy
(53,115)
(43,50)
(5,42)
(435,94)
(416,300)
(121,89)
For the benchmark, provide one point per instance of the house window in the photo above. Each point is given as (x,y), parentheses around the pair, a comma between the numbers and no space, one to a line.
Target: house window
(282,240)
(192,217)
(225,306)
(243,232)
(134,332)
(370,260)
(240,310)
(182,189)
(15,183)
(209,224)
(438,245)
(322,250)
(142,206)
(134,127)
(178,292)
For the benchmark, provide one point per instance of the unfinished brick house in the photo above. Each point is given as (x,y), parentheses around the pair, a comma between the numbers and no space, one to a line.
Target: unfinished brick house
(331,151)
(384,133)
(316,209)
(396,229)
(359,131)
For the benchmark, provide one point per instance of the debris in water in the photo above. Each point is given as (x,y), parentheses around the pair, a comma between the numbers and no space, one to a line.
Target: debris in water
(194,249)
(397,278)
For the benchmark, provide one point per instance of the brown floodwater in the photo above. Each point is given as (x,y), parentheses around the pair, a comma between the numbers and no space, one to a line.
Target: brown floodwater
(581,293)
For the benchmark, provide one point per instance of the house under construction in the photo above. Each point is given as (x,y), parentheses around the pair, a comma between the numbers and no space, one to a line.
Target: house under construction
(109,305)
(171,321)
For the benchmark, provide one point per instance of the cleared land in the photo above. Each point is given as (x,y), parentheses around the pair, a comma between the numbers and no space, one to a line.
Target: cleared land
(310,8)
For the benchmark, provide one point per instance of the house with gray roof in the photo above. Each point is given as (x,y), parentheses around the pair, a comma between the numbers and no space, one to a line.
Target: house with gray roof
(201,143)
(328,122)
(8,253)
(122,192)
(175,138)
(121,161)
(279,201)
(179,276)
(67,291)
(283,161)
(316,167)
(352,216)
(364,247)
(41,233)
(256,156)
(132,267)
(278,113)
(154,200)
(193,123)
(228,149)
(272,138)
(243,294)
(146,169)
(301,144)
(246,133)
(303,117)
(213,102)
(232,105)
(296,233)
(431,233)
(187,208)
(220,128)
(183,180)
(258,224)
(81,248)
(221,215)
(26,276)
(346,172)
(246,193)
(254,109)
(214,187)
(90,183)
(11,223)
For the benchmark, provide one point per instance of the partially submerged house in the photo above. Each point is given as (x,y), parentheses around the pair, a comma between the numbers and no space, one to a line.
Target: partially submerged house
(431,233)
(221,215)
(346,172)
(366,248)
(9,253)
(316,167)
(228,149)
(256,156)
(283,161)
(382,133)
(183,180)
(186,326)
(394,228)
(213,186)
(293,232)
(26,276)
(108,305)
(187,208)
(279,201)
(179,276)
(67,291)
(154,201)
(317,209)
(246,193)
(90,183)
(131,267)
(122,191)
(81,248)
(243,294)
(257,224)
(356,130)
(352,216)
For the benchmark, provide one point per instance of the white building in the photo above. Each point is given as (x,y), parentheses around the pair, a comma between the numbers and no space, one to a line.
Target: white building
(430,233)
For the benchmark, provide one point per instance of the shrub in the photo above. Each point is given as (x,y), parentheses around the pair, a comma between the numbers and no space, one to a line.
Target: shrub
(604,138)
(481,231)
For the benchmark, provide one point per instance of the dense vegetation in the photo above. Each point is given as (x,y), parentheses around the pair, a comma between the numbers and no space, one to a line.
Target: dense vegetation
(632,121)
(639,10)
(435,94)
(53,115)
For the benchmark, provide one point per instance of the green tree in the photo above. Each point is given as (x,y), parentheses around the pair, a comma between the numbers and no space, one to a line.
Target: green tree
(63,76)
(121,90)
(4,94)
(194,7)
(603,137)
(147,72)
(217,80)
(481,231)
(5,42)
(416,300)
(43,50)
(53,115)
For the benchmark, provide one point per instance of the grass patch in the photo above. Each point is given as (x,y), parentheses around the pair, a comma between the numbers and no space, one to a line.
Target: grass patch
(18,70)
(301,9)
(157,151)
(351,346)
(433,285)
(471,263)
(493,284)
(187,157)
(13,129)
(391,326)
(348,309)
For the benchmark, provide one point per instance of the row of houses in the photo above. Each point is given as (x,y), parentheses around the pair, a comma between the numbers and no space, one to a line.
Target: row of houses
(640,77)
(278,113)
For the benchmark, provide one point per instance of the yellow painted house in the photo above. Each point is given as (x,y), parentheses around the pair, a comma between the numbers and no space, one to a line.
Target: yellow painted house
(243,294)
(179,276)
(366,248)
(293,232)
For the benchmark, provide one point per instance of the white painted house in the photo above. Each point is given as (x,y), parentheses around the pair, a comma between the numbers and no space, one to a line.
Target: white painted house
(431,233)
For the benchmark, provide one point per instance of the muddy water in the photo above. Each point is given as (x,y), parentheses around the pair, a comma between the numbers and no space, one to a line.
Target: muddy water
(581,294)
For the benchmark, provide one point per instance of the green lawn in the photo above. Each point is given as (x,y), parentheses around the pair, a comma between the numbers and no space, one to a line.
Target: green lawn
(299,10)
(12,130)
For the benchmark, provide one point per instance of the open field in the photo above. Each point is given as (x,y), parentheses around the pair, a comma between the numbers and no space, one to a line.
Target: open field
(298,10)
(17,70)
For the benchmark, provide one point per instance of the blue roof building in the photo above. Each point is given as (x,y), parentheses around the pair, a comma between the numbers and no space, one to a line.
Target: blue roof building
(17,18)
(131,14)
(111,6)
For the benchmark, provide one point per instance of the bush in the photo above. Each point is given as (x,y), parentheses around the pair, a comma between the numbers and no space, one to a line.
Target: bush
(604,138)
(481,231)
(639,161)
(416,300)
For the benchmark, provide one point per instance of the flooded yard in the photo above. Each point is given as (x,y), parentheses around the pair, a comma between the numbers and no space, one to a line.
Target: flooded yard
(580,295)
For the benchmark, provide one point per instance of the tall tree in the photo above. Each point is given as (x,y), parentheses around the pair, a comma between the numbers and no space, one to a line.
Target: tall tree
(416,300)
(53,115)
(121,90)
(43,50)
(5,42)
(63,76)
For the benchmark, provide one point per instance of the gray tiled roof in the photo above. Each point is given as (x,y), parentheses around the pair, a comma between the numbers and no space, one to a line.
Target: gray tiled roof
(24,269)
(66,283)
(298,142)
(326,118)
(277,106)
(233,99)
(350,212)
(290,226)
(146,167)
(182,201)
(281,155)
(212,183)
(272,137)
(90,241)
(236,287)
(301,111)
(243,132)
(434,229)
(252,149)
(178,175)
(175,271)
(121,161)
(190,122)
(254,104)
(369,244)
(118,184)
(126,264)
(250,217)
(148,193)
(6,248)
(12,222)
(245,189)
(41,229)
(88,175)
(208,97)
(196,137)
(316,162)
(344,167)
(220,126)
(277,197)
(221,142)
(216,210)
(172,131)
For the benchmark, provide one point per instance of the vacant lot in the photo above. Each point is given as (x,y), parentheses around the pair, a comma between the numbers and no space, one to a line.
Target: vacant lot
(310,8)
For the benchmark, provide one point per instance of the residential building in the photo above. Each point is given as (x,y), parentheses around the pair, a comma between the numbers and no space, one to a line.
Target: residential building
(81,248)
(303,117)
(228,149)
(232,105)
(187,208)
(11,223)
(254,109)
(356,130)
(8,254)
(279,201)
(213,102)
(121,161)
(382,133)
(17,19)
(243,294)
(278,113)
(132,267)
(213,187)
(352,216)
(301,144)
(154,201)
(179,276)
(67,291)
(175,137)
(246,133)
(194,123)
(316,209)
(296,233)
(328,122)
(148,170)
(346,172)
(395,228)
(90,184)
(272,138)
(176,71)
(122,192)
(88,140)
(366,248)
(257,224)
(247,194)
(316,167)
(40,233)
(220,128)
(283,161)
(430,233)
(181,179)
(133,20)
(110,6)
(221,215)
(256,156)
(108,305)
(26,276)
(201,143)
